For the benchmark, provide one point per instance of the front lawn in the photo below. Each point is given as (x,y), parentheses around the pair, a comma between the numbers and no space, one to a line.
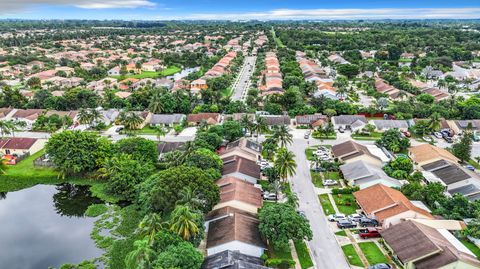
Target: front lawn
(326,204)
(148,130)
(316,179)
(309,153)
(332,175)
(371,136)
(373,254)
(345,203)
(341,233)
(352,255)
(303,254)
(151,74)
(474,164)
(471,246)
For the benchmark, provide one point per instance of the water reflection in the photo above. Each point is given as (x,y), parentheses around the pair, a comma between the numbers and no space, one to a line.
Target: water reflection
(35,234)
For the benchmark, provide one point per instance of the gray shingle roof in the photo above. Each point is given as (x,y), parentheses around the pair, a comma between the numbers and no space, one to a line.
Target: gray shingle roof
(166,118)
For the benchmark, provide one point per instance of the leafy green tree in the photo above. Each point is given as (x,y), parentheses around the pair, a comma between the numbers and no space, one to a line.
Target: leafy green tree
(280,223)
(232,130)
(435,121)
(269,146)
(394,141)
(75,152)
(285,163)
(162,191)
(124,174)
(183,256)
(138,148)
(204,159)
(140,258)
(348,70)
(463,149)
(150,225)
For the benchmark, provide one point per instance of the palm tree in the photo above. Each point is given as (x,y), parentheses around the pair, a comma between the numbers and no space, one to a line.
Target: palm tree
(260,126)
(130,120)
(160,131)
(156,105)
(84,116)
(282,136)
(435,122)
(245,122)
(141,256)
(276,187)
(150,225)
(96,116)
(441,83)
(6,127)
(183,222)
(285,163)
(189,198)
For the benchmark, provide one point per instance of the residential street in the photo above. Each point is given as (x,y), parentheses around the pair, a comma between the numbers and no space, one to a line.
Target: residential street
(243,80)
(324,247)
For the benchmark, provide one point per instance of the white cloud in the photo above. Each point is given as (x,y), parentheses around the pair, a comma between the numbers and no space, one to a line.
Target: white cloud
(10,6)
(332,14)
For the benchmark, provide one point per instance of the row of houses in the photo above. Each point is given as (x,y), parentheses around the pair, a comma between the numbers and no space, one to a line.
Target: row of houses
(314,73)
(221,67)
(272,74)
(233,237)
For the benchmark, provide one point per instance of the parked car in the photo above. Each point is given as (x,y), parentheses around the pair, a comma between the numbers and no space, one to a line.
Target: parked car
(269,196)
(306,136)
(470,167)
(301,213)
(380,266)
(119,129)
(448,139)
(355,217)
(369,233)
(329,182)
(345,224)
(341,130)
(449,132)
(336,217)
(475,137)
(367,222)
(437,135)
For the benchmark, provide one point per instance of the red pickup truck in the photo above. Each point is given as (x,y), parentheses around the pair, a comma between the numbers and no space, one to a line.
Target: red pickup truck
(369,233)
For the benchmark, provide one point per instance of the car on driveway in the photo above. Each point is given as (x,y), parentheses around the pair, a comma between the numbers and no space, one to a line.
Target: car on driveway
(336,217)
(341,130)
(380,266)
(367,222)
(119,129)
(369,233)
(437,135)
(269,196)
(448,139)
(355,217)
(346,224)
(330,182)
(470,167)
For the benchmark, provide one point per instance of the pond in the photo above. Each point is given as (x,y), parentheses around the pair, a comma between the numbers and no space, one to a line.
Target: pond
(44,226)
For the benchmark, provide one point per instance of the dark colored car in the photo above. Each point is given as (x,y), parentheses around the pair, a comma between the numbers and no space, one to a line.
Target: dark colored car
(380,266)
(345,224)
(369,233)
(367,222)
(448,139)
(341,130)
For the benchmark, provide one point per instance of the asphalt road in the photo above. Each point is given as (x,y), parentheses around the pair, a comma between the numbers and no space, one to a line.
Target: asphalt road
(243,80)
(326,252)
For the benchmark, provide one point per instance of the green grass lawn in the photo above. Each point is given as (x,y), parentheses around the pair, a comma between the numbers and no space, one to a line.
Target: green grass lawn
(341,233)
(371,136)
(279,253)
(277,40)
(344,199)
(326,204)
(474,164)
(471,246)
(309,153)
(352,255)
(227,92)
(303,254)
(328,137)
(265,185)
(332,175)
(148,130)
(150,74)
(373,254)
(316,179)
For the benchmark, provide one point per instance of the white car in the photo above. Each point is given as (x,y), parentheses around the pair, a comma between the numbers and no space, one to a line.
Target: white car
(355,217)
(336,217)
(329,182)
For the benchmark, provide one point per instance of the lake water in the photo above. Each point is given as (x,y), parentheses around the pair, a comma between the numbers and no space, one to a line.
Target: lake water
(44,227)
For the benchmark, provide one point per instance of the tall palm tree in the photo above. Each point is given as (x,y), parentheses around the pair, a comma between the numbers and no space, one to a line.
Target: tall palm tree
(159,132)
(435,122)
(96,116)
(282,136)
(260,126)
(150,225)
(84,116)
(141,257)
(131,120)
(276,187)
(156,105)
(285,163)
(189,198)
(6,127)
(246,122)
(183,222)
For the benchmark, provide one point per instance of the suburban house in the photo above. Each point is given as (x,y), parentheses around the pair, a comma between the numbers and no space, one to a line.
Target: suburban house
(239,194)
(165,147)
(109,116)
(393,93)
(276,120)
(209,118)
(351,122)
(166,120)
(388,206)
(313,121)
(363,174)
(418,246)
(21,146)
(146,117)
(243,147)
(152,66)
(29,116)
(114,71)
(229,259)
(242,168)
(235,230)
(350,151)
(198,84)
(384,125)
(426,153)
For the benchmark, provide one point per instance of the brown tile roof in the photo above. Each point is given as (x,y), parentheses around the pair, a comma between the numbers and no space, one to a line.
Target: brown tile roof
(425,246)
(17,143)
(242,165)
(234,227)
(197,118)
(30,114)
(426,152)
(235,189)
(385,202)
(228,210)
(350,149)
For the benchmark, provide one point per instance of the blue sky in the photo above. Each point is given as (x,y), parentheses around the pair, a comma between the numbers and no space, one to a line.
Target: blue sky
(235,10)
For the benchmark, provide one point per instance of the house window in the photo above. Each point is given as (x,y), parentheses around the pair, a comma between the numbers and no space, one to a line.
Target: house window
(7,151)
